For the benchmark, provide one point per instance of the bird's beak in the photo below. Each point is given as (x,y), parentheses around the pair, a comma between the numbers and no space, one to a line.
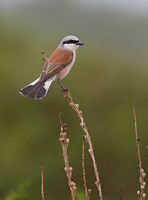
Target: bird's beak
(79,43)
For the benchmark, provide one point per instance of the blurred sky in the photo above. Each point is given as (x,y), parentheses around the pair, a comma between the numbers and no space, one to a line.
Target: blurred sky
(137,6)
(132,5)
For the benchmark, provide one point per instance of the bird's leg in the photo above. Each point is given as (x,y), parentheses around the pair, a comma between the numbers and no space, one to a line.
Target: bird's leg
(62,86)
(44,57)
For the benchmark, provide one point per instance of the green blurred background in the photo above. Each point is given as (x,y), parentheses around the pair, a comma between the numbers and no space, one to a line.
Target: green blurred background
(110,75)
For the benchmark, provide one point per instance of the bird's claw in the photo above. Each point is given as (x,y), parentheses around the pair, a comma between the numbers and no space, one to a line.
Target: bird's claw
(64,90)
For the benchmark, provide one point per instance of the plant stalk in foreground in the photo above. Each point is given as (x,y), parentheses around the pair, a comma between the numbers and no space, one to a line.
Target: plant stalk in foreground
(87,136)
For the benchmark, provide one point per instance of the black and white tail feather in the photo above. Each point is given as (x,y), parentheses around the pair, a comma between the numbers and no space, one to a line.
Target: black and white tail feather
(36,89)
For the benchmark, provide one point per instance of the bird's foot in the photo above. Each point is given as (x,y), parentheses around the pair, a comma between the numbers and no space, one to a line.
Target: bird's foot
(65,90)
(62,87)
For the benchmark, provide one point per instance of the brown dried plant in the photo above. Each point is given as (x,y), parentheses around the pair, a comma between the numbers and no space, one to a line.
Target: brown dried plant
(140,193)
(64,144)
(121,191)
(42,184)
(75,107)
(87,191)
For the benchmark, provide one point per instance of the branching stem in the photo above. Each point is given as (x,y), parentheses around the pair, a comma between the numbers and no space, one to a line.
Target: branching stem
(64,144)
(140,193)
(88,139)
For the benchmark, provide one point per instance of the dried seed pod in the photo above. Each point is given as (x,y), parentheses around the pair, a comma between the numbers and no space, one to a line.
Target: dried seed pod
(67,140)
(138,192)
(71,104)
(75,188)
(65,129)
(70,169)
(64,134)
(140,180)
(73,184)
(65,169)
(77,106)
(90,151)
(61,139)
(144,184)
(144,195)
(144,175)
(142,187)
(141,171)
(89,191)
(65,124)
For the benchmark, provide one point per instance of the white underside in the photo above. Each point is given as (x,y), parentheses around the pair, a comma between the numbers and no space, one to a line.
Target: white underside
(47,84)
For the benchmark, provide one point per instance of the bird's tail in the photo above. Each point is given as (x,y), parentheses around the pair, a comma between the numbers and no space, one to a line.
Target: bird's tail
(36,89)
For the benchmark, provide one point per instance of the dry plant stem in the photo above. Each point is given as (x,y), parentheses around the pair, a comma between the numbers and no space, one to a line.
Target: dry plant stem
(64,144)
(140,193)
(87,137)
(121,192)
(42,184)
(44,57)
(84,174)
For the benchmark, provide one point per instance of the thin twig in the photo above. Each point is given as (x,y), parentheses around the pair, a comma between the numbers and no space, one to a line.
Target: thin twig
(64,144)
(84,174)
(87,137)
(42,184)
(140,192)
(121,192)
(44,57)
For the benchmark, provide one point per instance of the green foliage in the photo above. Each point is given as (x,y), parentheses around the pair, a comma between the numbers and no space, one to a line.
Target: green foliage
(80,195)
(20,193)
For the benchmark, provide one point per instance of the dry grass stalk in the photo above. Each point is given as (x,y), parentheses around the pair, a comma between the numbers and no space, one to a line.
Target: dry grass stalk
(121,192)
(42,184)
(64,144)
(140,193)
(87,191)
(87,136)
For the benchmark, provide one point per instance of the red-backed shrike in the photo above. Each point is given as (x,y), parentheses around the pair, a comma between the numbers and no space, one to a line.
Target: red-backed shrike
(57,66)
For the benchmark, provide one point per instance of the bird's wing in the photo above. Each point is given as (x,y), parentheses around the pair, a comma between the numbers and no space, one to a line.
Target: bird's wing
(58,60)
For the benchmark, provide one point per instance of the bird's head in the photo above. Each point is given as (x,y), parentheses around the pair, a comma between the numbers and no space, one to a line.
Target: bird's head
(70,43)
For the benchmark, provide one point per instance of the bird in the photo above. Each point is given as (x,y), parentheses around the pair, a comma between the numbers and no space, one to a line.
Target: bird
(56,67)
